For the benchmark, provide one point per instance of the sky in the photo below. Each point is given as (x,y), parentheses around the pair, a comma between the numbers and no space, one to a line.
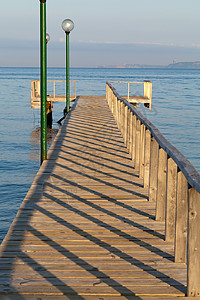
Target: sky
(106,32)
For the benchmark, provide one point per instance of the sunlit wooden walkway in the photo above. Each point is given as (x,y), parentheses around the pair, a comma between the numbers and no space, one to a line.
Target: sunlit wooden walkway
(86,229)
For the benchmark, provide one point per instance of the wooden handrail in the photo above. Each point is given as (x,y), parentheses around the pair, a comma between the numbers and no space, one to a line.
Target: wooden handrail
(35,90)
(184,165)
(147,90)
(172,181)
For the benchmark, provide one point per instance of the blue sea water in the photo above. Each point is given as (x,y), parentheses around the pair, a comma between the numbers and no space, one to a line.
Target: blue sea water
(176,113)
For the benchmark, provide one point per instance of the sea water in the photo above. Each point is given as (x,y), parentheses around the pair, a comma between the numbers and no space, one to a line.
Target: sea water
(176,113)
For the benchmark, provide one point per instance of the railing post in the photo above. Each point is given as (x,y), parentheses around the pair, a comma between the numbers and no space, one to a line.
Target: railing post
(111,94)
(116,110)
(107,92)
(125,123)
(134,122)
(108,95)
(181,219)
(148,93)
(37,87)
(153,178)
(193,272)
(171,201)
(112,106)
(147,153)
(128,128)
(33,88)
(119,113)
(131,134)
(110,99)
(162,185)
(122,119)
(137,145)
(142,149)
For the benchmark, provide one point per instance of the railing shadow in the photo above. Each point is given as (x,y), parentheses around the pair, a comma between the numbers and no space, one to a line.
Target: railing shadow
(7,260)
(112,249)
(43,194)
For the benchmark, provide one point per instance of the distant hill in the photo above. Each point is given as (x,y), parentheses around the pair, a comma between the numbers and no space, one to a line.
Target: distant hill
(185,65)
(178,65)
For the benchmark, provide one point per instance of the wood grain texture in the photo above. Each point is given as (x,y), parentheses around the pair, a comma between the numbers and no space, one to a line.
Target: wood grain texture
(170,223)
(181,219)
(153,173)
(162,185)
(193,244)
(86,229)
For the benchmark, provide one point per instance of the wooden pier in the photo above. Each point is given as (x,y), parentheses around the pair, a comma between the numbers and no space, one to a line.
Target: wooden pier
(93,224)
(55,97)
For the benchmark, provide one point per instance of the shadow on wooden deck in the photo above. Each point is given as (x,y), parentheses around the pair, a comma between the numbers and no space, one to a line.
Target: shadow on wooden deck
(79,209)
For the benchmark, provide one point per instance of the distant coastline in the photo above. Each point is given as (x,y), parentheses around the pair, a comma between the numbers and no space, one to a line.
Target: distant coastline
(177,65)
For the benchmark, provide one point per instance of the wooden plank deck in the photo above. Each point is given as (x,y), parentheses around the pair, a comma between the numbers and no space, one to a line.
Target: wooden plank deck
(86,229)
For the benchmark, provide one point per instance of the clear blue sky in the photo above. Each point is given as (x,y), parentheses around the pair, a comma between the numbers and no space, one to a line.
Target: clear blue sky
(106,32)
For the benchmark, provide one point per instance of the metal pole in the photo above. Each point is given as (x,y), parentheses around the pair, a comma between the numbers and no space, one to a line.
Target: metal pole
(43,80)
(67,73)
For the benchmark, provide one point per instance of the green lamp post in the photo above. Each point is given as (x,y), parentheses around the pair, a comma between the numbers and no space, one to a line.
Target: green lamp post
(43,80)
(67,26)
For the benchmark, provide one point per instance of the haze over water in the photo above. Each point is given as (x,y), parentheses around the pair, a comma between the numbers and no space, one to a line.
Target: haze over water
(176,110)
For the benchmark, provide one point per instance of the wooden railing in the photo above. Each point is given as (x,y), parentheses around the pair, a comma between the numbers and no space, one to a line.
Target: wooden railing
(35,87)
(59,81)
(172,182)
(147,91)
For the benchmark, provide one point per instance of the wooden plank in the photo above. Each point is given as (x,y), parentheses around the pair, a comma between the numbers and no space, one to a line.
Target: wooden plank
(94,290)
(86,297)
(86,228)
(128,275)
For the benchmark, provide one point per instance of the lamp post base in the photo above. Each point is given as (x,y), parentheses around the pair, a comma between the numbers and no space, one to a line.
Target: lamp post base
(65,111)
